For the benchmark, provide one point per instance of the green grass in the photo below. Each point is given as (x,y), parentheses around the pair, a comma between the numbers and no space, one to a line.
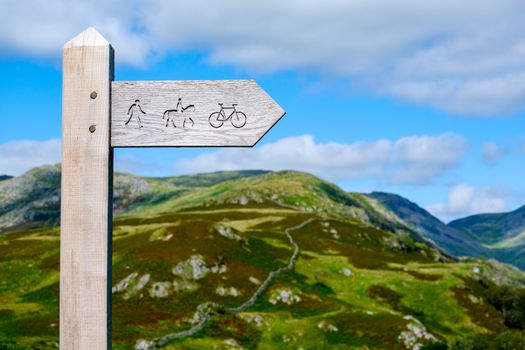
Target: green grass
(367,308)
(517,240)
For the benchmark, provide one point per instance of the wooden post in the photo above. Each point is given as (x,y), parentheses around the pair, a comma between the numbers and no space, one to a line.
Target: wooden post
(86,207)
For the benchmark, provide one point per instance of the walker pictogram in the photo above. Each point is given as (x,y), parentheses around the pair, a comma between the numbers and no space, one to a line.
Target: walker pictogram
(135,110)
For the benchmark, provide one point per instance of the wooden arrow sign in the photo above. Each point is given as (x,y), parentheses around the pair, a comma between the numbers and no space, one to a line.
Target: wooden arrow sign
(190,113)
(140,114)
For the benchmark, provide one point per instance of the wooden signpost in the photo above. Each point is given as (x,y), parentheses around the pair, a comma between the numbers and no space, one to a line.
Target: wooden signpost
(99,115)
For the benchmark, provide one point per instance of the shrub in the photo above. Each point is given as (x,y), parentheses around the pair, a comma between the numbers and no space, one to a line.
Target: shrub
(508,340)
(510,302)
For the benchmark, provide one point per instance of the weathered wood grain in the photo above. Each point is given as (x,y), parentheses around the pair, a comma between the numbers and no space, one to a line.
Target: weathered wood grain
(156,97)
(85,228)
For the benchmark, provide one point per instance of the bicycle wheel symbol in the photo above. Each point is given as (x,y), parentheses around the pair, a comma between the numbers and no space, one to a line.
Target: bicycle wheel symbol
(216,120)
(236,118)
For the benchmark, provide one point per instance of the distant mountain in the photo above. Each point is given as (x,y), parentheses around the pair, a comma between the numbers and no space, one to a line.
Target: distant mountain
(454,241)
(33,199)
(495,236)
(494,229)
(502,234)
(5,177)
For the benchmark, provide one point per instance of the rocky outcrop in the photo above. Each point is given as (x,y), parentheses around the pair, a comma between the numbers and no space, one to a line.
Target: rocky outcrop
(161,289)
(255,319)
(416,335)
(227,232)
(195,266)
(327,327)
(346,272)
(284,295)
(129,286)
(192,269)
(227,291)
(124,283)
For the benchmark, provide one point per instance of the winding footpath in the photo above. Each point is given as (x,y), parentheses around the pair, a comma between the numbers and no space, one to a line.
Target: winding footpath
(206,311)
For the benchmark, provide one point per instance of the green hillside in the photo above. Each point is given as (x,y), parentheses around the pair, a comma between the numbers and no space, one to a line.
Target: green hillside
(454,241)
(492,229)
(491,236)
(33,199)
(503,235)
(257,260)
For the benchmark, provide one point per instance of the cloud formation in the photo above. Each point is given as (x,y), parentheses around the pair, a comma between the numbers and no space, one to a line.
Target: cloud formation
(411,160)
(466,57)
(19,156)
(492,153)
(464,200)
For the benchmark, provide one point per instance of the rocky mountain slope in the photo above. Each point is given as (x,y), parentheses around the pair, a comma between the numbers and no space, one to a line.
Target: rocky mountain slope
(495,236)
(257,261)
(452,240)
(505,229)
(33,199)
(503,235)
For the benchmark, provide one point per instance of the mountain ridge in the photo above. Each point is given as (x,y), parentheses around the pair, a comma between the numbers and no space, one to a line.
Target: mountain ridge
(452,240)
(32,200)
(490,228)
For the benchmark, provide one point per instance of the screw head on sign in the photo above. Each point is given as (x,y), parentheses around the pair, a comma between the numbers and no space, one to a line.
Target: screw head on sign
(92,128)
(93,95)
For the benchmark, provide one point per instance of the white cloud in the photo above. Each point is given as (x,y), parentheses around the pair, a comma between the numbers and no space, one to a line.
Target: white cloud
(409,160)
(41,28)
(17,157)
(467,57)
(417,159)
(464,200)
(492,153)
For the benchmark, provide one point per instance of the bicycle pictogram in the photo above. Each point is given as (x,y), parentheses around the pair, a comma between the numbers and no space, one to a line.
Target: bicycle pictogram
(236,118)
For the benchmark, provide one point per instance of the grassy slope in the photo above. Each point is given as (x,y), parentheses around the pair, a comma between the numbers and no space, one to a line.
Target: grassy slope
(453,240)
(490,229)
(389,281)
(515,241)
(32,200)
(502,234)
(495,236)
(289,189)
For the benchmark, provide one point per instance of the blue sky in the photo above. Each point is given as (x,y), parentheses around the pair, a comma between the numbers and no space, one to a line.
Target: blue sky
(427,101)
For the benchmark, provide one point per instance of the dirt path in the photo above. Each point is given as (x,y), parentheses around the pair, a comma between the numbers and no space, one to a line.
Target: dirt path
(206,311)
